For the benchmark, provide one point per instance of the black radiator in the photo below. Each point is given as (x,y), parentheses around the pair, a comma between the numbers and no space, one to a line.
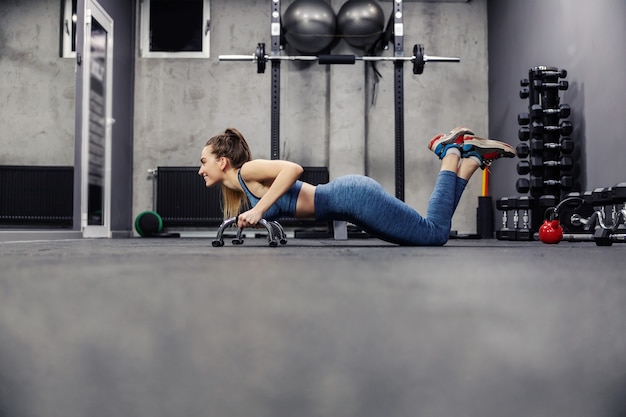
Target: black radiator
(36,195)
(182,199)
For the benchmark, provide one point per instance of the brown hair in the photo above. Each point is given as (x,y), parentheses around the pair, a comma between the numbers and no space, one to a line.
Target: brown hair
(232,145)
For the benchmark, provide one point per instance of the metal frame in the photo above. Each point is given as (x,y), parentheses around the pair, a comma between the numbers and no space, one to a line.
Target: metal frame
(398,44)
(398,92)
(68,29)
(275,92)
(144,34)
(95,10)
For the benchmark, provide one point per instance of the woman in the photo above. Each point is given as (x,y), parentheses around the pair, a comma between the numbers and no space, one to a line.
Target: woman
(269,189)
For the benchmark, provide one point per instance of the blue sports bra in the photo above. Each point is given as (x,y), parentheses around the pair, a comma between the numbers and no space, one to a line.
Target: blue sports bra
(285,206)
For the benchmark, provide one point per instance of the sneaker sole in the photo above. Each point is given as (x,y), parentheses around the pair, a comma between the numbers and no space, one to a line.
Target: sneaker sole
(491,149)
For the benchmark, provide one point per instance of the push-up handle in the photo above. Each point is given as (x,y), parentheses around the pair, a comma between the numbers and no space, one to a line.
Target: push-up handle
(275,233)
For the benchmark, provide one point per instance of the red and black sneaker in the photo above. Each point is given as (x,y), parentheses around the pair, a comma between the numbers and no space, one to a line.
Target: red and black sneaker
(486,150)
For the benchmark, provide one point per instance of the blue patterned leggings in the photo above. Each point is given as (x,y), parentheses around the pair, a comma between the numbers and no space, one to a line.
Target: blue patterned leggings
(364,202)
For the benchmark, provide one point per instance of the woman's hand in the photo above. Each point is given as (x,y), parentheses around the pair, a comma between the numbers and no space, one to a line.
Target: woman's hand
(249,218)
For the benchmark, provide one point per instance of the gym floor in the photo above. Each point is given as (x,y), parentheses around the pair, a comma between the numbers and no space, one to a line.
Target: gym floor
(176,327)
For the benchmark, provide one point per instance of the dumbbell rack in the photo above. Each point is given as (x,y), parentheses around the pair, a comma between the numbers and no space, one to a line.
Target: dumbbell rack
(544,151)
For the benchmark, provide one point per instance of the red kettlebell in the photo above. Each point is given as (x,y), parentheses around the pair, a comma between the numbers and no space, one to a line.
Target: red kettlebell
(551,230)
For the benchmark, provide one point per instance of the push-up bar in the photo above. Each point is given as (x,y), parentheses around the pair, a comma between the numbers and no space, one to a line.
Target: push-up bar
(275,233)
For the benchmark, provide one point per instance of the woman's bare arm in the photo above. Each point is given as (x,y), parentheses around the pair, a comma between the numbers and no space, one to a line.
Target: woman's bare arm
(281,174)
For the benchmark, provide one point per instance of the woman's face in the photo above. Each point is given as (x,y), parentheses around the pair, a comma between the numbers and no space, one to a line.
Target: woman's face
(211,167)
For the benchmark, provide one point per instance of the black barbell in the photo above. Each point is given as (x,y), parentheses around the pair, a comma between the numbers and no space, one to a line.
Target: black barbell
(419,59)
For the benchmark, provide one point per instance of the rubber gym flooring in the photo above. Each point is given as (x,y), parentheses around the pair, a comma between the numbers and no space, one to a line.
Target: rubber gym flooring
(176,327)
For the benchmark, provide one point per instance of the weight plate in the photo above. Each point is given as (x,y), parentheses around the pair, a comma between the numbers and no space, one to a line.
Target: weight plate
(418,60)
(260,58)
(583,209)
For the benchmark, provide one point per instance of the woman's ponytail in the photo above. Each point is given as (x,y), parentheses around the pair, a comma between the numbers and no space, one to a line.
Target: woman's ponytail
(241,150)
(232,145)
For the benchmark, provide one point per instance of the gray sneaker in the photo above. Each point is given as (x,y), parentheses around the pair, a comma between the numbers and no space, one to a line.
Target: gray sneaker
(442,142)
(486,150)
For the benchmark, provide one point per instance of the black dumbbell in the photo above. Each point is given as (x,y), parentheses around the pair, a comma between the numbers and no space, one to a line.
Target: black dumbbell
(565,163)
(523,133)
(619,192)
(506,205)
(536,164)
(566,145)
(524,93)
(523,119)
(547,200)
(523,185)
(602,197)
(561,85)
(563,111)
(525,205)
(565,128)
(609,196)
(541,71)
(522,150)
(523,168)
(566,182)
(602,237)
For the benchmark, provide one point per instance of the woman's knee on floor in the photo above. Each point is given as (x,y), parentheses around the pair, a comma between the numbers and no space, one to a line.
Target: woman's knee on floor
(440,236)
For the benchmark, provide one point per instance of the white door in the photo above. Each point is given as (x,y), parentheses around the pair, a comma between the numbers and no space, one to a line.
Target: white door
(97,122)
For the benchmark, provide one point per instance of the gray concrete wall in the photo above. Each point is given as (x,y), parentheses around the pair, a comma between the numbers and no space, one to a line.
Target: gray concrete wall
(586,39)
(37,86)
(325,120)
